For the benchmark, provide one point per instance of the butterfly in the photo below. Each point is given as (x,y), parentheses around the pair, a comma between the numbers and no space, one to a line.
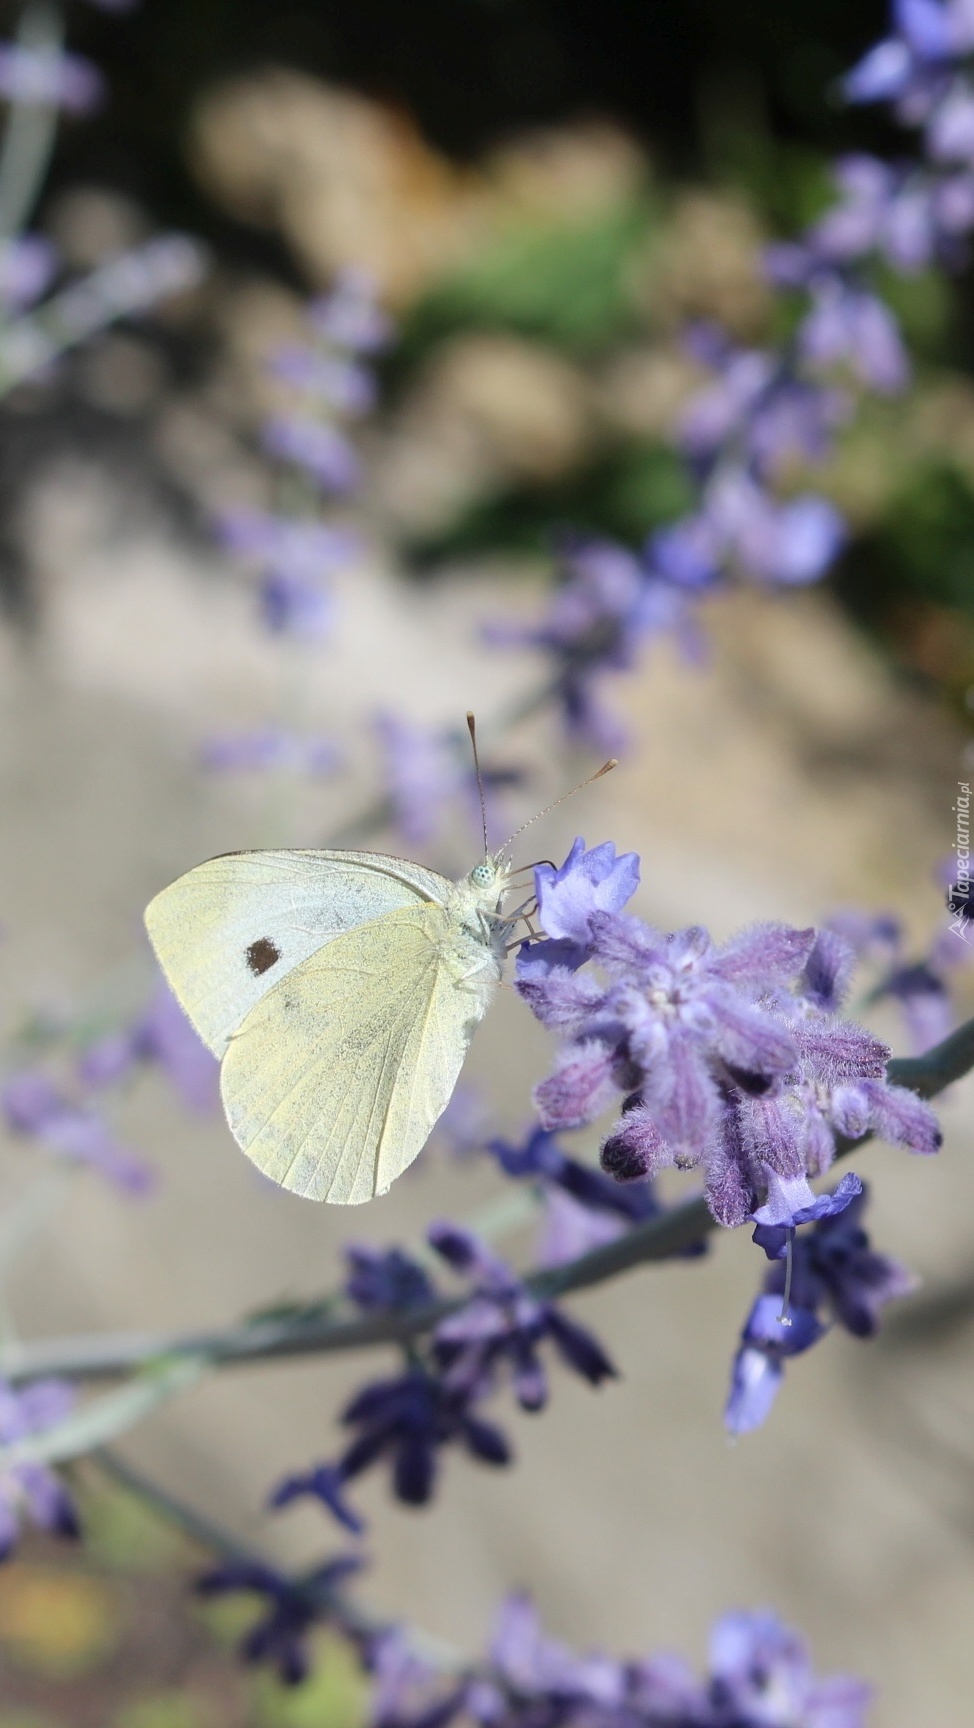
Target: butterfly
(341,990)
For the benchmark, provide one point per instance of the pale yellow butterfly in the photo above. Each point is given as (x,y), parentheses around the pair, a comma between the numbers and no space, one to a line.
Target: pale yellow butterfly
(341,990)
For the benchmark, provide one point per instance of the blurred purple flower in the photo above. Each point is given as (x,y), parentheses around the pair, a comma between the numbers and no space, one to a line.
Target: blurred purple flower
(162,1036)
(26,1487)
(325,1483)
(426,770)
(409,1419)
(270,750)
(348,316)
(761,1675)
(848,325)
(319,449)
(503,1325)
(295,558)
(336,382)
(609,601)
(27,267)
(46,77)
(385,1278)
(32,1106)
(293,1607)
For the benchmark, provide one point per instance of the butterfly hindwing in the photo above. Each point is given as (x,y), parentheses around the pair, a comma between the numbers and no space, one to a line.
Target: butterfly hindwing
(229,931)
(338,1074)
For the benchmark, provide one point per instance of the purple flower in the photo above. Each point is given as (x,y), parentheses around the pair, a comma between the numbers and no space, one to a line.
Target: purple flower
(608,601)
(316,447)
(161,1036)
(324,1482)
(295,558)
(761,1675)
(503,1326)
(833,1265)
(408,1419)
(588,881)
(293,1606)
(34,1107)
(385,1278)
(348,317)
(26,1487)
(405,1689)
(847,325)
(426,770)
(830,1267)
(338,383)
(272,750)
(27,267)
(45,77)
(767,1342)
(726,1057)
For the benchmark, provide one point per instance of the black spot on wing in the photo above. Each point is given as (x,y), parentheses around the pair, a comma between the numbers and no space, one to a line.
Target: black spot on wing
(262,955)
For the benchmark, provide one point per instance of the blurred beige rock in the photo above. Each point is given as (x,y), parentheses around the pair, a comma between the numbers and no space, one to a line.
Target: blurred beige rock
(486,410)
(706,263)
(347,181)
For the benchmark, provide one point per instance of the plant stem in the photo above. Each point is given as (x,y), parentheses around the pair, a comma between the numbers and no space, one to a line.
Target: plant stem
(660,1238)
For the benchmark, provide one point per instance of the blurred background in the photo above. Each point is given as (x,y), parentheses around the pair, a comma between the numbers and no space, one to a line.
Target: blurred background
(545,194)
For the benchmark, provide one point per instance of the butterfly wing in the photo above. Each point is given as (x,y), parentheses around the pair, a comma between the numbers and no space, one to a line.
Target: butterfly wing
(229,931)
(336,1077)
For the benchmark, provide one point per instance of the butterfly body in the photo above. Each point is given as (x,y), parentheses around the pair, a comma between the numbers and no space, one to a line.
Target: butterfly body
(341,990)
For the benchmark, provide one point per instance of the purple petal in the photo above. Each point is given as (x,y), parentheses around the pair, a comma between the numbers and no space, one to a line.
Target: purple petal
(763,955)
(579,1090)
(587,882)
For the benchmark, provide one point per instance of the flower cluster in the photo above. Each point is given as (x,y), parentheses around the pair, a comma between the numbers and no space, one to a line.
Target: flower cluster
(427,770)
(759,1675)
(292,1608)
(732,1058)
(294,553)
(583,1207)
(607,603)
(68,1118)
(493,1338)
(829,1268)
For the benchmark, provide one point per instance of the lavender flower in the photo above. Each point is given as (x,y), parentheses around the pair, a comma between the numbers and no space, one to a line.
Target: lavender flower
(608,602)
(426,770)
(161,1036)
(272,750)
(333,381)
(294,1606)
(503,1326)
(761,1674)
(27,266)
(385,1278)
(33,1106)
(830,1267)
(318,449)
(722,1058)
(294,559)
(409,1419)
(349,317)
(45,77)
(325,1483)
(28,1488)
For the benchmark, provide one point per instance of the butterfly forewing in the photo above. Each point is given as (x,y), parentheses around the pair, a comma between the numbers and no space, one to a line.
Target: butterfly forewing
(230,930)
(338,1074)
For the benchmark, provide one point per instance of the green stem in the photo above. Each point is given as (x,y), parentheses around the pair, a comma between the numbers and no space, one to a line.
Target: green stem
(658,1238)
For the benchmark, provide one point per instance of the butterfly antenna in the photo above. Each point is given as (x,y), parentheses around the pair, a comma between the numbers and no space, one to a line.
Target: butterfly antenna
(472,729)
(606,768)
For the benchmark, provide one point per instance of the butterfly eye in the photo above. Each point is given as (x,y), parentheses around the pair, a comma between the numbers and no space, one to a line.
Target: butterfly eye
(482,875)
